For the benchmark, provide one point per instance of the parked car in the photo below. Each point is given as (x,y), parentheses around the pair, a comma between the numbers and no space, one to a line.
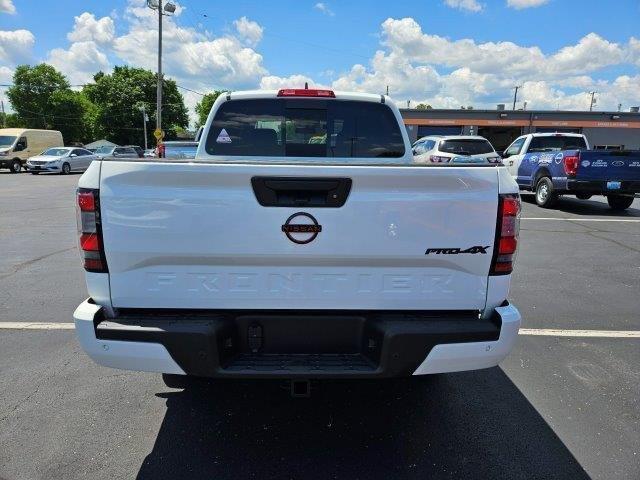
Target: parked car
(18,144)
(116,152)
(139,150)
(354,261)
(150,153)
(63,160)
(178,149)
(554,164)
(438,150)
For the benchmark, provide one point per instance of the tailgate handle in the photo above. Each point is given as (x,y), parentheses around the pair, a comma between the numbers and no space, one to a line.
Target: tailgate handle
(323,192)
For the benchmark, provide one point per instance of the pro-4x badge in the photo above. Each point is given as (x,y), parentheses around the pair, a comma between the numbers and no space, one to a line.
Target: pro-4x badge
(456,251)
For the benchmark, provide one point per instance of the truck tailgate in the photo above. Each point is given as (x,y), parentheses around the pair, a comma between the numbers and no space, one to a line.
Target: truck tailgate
(609,165)
(193,235)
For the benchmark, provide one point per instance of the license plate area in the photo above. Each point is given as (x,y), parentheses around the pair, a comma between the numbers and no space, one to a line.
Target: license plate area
(614,185)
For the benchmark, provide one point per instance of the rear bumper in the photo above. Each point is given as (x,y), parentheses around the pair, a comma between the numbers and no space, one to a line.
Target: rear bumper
(229,344)
(599,187)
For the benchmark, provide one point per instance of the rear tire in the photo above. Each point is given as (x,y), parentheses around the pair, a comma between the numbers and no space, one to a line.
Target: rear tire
(619,202)
(546,197)
(16,166)
(66,169)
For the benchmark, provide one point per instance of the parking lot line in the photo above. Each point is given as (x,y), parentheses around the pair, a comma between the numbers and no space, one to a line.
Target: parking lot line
(547,332)
(35,326)
(553,332)
(628,220)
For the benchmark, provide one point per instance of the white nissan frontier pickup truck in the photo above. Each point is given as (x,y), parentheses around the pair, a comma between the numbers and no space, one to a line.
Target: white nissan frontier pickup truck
(302,242)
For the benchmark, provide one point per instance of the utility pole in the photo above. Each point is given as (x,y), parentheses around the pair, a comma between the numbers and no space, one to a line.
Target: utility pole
(593,100)
(159,90)
(144,126)
(4,117)
(387,90)
(169,8)
(515,95)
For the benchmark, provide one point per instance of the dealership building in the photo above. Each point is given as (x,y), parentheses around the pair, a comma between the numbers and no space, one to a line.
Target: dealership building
(610,130)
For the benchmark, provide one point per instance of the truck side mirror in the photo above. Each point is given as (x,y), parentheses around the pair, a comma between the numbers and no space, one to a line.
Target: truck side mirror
(505,154)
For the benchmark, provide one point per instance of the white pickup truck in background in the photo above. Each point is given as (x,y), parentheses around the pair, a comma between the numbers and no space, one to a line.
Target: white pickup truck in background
(302,242)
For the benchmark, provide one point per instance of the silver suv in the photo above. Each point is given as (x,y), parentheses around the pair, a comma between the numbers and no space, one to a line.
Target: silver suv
(437,150)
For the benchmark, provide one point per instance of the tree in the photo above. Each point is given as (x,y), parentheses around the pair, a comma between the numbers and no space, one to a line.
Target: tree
(73,114)
(422,106)
(10,120)
(203,107)
(30,95)
(42,98)
(119,97)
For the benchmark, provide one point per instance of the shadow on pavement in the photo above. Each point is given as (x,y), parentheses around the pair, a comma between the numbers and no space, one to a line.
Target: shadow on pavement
(467,425)
(586,207)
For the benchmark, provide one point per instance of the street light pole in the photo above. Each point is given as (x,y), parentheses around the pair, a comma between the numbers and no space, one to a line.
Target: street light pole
(159,90)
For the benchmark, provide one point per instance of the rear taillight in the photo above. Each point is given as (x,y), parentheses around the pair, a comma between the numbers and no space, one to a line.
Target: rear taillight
(437,159)
(507,229)
(305,92)
(89,227)
(571,165)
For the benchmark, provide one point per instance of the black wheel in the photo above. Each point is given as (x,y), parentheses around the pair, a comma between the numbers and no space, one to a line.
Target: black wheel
(66,169)
(16,166)
(619,202)
(583,196)
(546,196)
(172,380)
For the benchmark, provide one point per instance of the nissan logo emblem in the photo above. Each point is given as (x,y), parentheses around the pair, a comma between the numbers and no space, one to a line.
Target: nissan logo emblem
(299,230)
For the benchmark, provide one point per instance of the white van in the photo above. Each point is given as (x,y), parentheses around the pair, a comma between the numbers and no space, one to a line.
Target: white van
(18,144)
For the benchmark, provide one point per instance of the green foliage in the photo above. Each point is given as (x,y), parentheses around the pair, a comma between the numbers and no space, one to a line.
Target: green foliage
(42,98)
(10,120)
(71,113)
(422,106)
(30,95)
(108,108)
(203,107)
(118,98)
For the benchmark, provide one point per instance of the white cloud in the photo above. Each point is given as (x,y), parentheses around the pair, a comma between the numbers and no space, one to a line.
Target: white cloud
(7,6)
(249,31)
(324,8)
(15,46)
(592,52)
(80,62)
(194,58)
(469,5)
(633,51)
(273,82)
(6,77)
(520,4)
(87,28)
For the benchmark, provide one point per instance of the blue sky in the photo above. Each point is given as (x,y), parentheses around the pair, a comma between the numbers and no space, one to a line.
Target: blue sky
(557,49)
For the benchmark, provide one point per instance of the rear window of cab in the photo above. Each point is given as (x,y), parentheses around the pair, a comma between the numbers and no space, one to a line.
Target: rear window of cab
(305,128)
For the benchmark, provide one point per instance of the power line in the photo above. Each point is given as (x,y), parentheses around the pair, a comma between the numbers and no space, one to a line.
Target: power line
(189,90)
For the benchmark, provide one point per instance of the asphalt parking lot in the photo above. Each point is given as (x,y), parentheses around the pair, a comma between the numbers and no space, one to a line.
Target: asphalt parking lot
(560,406)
